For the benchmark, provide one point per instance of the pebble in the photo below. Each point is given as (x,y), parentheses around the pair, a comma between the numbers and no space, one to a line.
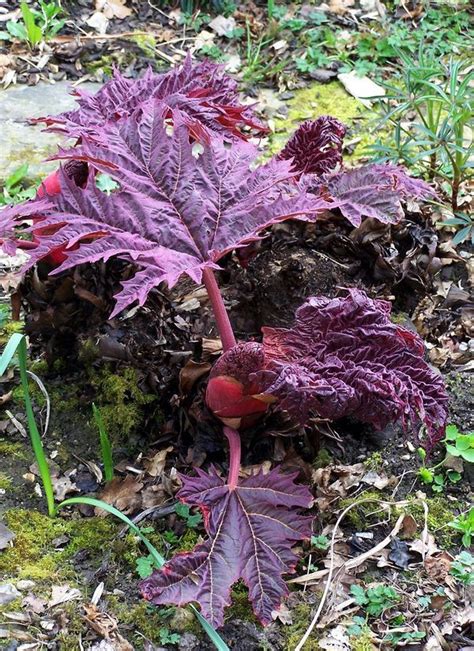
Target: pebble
(8,593)
(25,584)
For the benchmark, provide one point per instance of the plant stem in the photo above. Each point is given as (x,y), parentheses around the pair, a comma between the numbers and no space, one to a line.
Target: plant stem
(222,318)
(234,456)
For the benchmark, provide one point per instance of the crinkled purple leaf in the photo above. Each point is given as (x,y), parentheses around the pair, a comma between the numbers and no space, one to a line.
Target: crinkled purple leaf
(251,530)
(203,92)
(370,191)
(316,146)
(176,212)
(344,357)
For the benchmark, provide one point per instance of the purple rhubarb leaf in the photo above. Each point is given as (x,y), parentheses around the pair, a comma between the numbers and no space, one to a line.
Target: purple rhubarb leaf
(370,191)
(343,357)
(316,146)
(251,530)
(176,212)
(202,91)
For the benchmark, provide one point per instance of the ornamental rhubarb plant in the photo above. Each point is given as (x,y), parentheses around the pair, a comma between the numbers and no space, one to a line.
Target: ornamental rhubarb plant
(191,190)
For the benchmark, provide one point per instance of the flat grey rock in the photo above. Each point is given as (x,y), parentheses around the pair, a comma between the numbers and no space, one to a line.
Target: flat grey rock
(21,142)
(6,536)
(8,593)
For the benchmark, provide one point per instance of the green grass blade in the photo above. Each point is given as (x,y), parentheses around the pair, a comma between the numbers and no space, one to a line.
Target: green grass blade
(154,553)
(17,344)
(92,501)
(105,444)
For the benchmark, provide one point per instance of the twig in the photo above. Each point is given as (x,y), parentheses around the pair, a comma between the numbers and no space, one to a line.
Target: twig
(111,37)
(159,511)
(45,393)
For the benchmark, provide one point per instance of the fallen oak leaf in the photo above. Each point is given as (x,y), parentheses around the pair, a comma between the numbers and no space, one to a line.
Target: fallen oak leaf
(251,530)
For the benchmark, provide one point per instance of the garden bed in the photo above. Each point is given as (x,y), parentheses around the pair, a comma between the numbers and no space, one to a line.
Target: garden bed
(384,562)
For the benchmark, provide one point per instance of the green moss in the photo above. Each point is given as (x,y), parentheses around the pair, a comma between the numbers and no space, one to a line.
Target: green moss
(188,540)
(323,459)
(144,619)
(240,607)
(9,449)
(122,403)
(364,642)
(39,366)
(358,514)
(440,513)
(33,556)
(36,394)
(73,628)
(374,462)
(327,99)
(9,329)
(5,482)
(302,616)
(146,43)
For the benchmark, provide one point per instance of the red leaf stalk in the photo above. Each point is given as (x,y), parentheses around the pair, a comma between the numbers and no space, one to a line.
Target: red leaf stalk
(222,318)
(234,456)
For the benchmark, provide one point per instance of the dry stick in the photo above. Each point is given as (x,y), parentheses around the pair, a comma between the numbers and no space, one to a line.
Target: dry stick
(44,391)
(354,563)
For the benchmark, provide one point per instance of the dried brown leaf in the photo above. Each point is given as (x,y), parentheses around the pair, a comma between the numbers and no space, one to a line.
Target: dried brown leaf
(438,565)
(123,494)
(190,374)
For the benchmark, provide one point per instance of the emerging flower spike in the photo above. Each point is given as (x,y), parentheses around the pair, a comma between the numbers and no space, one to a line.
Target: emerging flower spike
(316,146)
(175,213)
(344,357)
(251,529)
(207,97)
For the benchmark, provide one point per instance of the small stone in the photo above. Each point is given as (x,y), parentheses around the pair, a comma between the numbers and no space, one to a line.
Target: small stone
(29,476)
(6,536)
(25,584)
(8,593)
(405,457)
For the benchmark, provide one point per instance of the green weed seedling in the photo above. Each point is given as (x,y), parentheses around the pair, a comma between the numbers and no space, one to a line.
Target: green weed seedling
(375,600)
(457,445)
(464,523)
(166,637)
(14,189)
(462,568)
(36,25)
(320,542)
(192,519)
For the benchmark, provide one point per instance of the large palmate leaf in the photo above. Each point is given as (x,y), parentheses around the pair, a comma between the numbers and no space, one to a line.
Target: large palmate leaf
(316,146)
(178,211)
(202,91)
(251,530)
(371,191)
(343,357)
